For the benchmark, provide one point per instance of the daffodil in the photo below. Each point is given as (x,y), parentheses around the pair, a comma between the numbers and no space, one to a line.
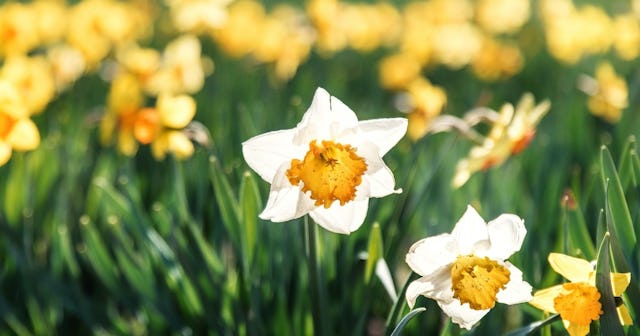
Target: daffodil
(578,301)
(328,166)
(608,93)
(510,134)
(17,130)
(466,270)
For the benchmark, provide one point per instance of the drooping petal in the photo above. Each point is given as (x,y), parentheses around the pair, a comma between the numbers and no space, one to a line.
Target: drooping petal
(436,286)
(573,269)
(462,314)
(384,133)
(620,282)
(506,234)
(431,254)
(470,230)
(543,299)
(265,153)
(516,290)
(575,329)
(341,218)
(176,111)
(285,201)
(623,315)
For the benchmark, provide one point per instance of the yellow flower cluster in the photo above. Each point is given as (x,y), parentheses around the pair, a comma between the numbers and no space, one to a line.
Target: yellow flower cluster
(572,33)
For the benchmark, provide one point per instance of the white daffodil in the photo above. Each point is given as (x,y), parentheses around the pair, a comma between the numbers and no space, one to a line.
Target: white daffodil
(328,166)
(465,271)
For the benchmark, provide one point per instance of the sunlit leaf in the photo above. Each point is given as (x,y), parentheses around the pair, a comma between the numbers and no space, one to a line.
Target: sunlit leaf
(374,251)
(398,330)
(609,321)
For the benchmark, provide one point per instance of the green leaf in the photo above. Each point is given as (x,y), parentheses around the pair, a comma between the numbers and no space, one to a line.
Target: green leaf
(577,231)
(526,330)
(406,319)
(399,304)
(98,254)
(609,321)
(374,252)
(620,216)
(625,169)
(14,193)
(250,202)
(226,200)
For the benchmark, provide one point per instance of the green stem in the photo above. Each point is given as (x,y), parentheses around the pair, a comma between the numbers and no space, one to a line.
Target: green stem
(392,319)
(317,298)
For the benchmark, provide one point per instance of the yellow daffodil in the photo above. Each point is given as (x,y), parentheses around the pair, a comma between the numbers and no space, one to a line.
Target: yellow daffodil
(626,36)
(67,65)
(33,78)
(174,113)
(497,60)
(578,301)
(502,16)
(608,93)
(466,271)
(124,102)
(181,69)
(423,102)
(397,71)
(240,33)
(328,166)
(198,16)
(510,134)
(18,29)
(17,131)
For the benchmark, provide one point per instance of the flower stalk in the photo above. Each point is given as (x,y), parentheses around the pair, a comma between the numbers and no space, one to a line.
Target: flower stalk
(318,304)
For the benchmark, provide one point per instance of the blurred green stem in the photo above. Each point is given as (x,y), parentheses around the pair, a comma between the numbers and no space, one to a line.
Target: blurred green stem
(317,294)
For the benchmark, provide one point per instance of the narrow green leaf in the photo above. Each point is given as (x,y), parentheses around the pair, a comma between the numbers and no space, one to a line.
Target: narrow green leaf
(535,326)
(98,254)
(227,204)
(250,202)
(625,169)
(406,319)
(399,304)
(374,252)
(15,188)
(609,321)
(138,272)
(620,216)
(211,258)
(635,163)
(114,201)
(577,231)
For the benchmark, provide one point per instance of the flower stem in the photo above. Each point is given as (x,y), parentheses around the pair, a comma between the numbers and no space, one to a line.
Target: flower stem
(317,294)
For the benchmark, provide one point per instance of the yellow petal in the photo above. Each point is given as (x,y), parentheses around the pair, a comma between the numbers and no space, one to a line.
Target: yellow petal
(574,269)
(619,282)
(623,314)
(127,144)
(575,329)
(24,135)
(543,299)
(180,145)
(176,111)
(5,153)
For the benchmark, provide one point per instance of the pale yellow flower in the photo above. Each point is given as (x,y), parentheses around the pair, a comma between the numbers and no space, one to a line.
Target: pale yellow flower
(142,62)
(423,102)
(51,20)
(398,70)
(33,78)
(456,45)
(67,65)
(578,301)
(174,114)
(497,60)
(510,134)
(608,93)
(240,33)
(502,16)
(17,131)
(181,69)
(198,16)
(626,36)
(18,29)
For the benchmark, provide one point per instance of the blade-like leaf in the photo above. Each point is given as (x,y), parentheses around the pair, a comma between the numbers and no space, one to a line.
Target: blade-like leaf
(609,321)
(227,203)
(250,203)
(406,319)
(374,251)
(625,169)
(620,216)
(577,231)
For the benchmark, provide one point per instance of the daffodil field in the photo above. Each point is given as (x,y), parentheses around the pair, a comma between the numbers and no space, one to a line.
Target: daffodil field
(319,167)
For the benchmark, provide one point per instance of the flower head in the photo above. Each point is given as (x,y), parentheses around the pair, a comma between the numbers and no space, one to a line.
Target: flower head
(466,270)
(578,301)
(328,166)
(17,130)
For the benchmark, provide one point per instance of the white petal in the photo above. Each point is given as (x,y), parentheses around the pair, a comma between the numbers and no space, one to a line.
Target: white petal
(384,133)
(436,286)
(265,153)
(506,234)
(428,255)
(516,290)
(341,218)
(326,118)
(379,176)
(286,201)
(462,314)
(469,231)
